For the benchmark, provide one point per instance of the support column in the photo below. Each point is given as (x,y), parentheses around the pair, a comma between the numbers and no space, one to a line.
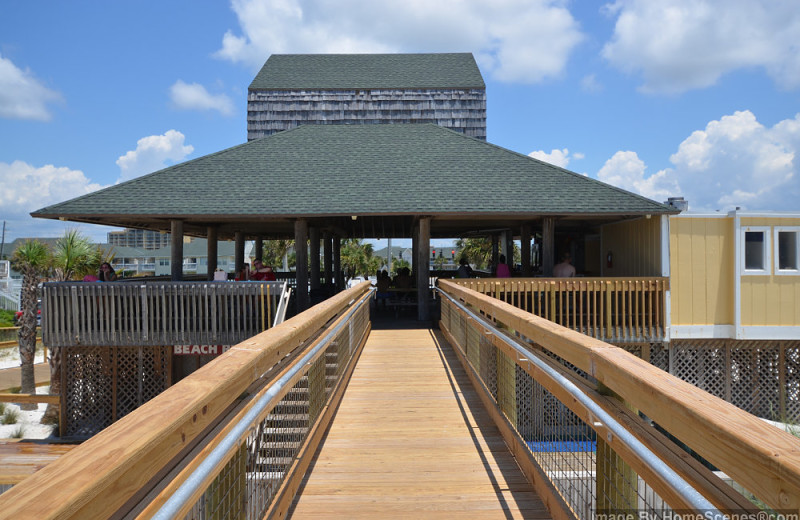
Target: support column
(259,253)
(301,259)
(212,249)
(548,245)
(525,249)
(238,248)
(423,271)
(508,248)
(327,255)
(495,253)
(415,248)
(176,253)
(313,239)
(337,262)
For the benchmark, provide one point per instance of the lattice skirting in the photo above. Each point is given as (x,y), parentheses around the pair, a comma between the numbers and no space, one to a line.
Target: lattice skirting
(761,377)
(102,384)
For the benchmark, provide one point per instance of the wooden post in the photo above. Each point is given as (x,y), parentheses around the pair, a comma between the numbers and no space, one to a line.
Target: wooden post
(548,245)
(301,269)
(212,250)
(259,253)
(423,271)
(313,239)
(495,253)
(616,481)
(337,263)
(508,249)
(415,248)
(525,249)
(239,250)
(176,252)
(327,242)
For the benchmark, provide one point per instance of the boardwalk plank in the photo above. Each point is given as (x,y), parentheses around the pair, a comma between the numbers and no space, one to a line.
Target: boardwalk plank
(411,440)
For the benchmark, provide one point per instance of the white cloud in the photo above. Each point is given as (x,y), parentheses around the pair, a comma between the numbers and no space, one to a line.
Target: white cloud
(194,96)
(21,94)
(627,171)
(153,153)
(513,40)
(735,161)
(677,45)
(590,84)
(558,158)
(27,188)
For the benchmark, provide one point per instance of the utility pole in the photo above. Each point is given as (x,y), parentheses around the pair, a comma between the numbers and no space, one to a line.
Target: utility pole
(389,256)
(3,240)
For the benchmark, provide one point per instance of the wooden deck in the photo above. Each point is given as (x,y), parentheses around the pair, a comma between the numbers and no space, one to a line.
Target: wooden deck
(411,440)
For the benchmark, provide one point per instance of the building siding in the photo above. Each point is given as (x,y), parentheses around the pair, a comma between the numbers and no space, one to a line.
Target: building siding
(271,111)
(770,300)
(635,246)
(702,261)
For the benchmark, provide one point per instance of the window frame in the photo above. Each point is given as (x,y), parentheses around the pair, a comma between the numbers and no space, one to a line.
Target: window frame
(766,251)
(786,229)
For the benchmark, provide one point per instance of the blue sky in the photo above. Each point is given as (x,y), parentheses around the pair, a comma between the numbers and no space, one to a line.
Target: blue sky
(697,98)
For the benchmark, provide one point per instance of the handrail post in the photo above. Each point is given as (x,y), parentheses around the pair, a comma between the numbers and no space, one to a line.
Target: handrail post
(609,331)
(616,481)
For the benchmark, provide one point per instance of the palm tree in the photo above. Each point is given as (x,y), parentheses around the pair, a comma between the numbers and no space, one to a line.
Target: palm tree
(477,250)
(357,259)
(32,259)
(74,257)
(275,250)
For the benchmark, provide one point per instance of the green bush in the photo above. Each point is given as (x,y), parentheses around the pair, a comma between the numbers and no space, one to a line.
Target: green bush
(10,417)
(6,318)
(18,433)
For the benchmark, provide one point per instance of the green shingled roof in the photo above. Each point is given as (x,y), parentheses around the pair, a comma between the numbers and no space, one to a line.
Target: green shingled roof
(364,71)
(317,170)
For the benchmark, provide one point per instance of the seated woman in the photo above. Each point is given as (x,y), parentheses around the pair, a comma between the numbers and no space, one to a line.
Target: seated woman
(106,273)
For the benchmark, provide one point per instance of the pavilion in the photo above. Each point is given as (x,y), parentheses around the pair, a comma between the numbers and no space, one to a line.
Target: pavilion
(369,181)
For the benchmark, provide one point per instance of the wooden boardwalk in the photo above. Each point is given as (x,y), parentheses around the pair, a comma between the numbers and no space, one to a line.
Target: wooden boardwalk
(411,440)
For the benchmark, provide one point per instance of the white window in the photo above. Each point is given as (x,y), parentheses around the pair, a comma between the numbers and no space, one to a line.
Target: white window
(755,253)
(787,250)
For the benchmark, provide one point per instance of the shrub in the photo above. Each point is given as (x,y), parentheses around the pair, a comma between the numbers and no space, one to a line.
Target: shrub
(11,416)
(18,433)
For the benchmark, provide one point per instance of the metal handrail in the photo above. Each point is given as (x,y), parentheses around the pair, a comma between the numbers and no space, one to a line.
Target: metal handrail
(267,399)
(675,481)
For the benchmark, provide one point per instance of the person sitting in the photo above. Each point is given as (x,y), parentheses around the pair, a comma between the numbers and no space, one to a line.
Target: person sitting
(403,278)
(502,268)
(261,272)
(464,269)
(564,269)
(383,283)
(106,273)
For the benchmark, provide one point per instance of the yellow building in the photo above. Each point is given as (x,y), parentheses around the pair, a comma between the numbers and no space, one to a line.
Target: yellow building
(735,275)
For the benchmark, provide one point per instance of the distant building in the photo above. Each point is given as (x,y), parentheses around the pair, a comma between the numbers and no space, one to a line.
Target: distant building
(139,238)
(443,89)
(137,261)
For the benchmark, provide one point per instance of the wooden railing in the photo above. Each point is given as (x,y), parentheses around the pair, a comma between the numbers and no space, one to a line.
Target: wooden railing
(110,474)
(757,456)
(610,309)
(156,313)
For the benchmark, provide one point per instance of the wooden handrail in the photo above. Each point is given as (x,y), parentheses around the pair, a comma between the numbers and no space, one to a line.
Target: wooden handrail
(760,457)
(97,478)
(30,398)
(611,309)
